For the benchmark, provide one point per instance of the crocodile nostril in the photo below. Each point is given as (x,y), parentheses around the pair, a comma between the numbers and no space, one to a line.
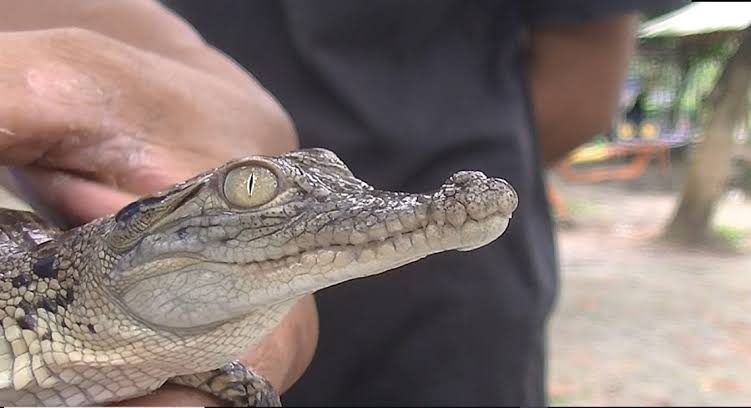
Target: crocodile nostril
(466,177)
(479,195)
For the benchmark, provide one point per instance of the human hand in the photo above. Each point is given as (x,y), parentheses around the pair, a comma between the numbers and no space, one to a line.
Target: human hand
(277,358)
(89,123)
(87,116)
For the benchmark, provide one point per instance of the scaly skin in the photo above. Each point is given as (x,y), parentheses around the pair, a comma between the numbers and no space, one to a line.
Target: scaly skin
(178,284)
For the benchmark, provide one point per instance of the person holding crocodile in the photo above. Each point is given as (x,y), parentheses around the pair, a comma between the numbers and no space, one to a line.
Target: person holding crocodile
(107,101)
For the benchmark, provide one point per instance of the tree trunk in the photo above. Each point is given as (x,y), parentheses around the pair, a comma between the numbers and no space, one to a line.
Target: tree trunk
(684,79)
(709,168)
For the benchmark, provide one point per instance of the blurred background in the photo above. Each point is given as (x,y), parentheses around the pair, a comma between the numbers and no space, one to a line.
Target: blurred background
(654,226)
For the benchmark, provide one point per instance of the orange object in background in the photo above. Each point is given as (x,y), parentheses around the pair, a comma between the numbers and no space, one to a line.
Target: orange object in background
(557,203)
(641,154)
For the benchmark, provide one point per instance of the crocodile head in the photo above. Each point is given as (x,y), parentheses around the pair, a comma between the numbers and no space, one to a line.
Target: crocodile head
(264,230)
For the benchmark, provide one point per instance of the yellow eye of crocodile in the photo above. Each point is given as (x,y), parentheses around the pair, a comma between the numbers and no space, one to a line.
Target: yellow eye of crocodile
(250,186)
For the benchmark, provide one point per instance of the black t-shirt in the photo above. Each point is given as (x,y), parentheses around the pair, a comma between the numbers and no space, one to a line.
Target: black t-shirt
(406,93)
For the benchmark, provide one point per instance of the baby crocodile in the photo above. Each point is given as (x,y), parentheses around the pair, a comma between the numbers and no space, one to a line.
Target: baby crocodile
(176,285)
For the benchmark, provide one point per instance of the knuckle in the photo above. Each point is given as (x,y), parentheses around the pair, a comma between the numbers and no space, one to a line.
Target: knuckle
(70,66)
(75,44)
(72,36)
(70,44)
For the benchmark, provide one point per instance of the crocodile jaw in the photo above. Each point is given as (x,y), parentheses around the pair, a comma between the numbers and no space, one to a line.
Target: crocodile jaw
(258,285)
(323,227)
(322,268)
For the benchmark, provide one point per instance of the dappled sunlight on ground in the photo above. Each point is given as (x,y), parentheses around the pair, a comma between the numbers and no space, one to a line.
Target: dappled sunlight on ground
(644,322)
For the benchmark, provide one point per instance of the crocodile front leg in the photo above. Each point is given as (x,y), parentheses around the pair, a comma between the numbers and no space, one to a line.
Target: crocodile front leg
(235,384)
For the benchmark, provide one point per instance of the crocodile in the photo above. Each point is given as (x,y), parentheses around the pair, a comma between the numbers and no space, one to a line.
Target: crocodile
(174,286)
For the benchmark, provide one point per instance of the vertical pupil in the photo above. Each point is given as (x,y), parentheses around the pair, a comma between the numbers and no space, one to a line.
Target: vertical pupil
(250,184)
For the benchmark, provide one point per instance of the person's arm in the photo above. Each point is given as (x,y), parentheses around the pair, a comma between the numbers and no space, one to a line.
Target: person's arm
(128,101)
(576,74)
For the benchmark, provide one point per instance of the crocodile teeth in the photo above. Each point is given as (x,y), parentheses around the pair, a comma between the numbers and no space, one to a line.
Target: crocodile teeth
(343,258)
(402,243)
(325,257)
(386,250)
(366,255)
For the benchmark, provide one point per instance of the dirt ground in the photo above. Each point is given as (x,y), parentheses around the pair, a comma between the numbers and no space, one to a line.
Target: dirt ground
(641,322)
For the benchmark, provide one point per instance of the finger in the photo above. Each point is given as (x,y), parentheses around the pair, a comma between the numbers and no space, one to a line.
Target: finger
(57,195)
(44,99)
(286,352)
(173,395)
(79,101)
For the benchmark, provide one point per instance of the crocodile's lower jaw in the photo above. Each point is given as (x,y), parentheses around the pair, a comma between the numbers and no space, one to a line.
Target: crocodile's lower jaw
(320,268)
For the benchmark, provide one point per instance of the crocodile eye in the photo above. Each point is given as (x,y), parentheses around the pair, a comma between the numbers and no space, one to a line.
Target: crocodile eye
(250,186)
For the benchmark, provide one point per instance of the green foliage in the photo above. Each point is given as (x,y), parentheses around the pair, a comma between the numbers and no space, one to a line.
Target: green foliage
(663,79)
(730,238)
(701,80)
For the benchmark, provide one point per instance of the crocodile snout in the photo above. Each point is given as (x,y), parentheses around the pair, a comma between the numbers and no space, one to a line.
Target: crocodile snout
(479,195)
